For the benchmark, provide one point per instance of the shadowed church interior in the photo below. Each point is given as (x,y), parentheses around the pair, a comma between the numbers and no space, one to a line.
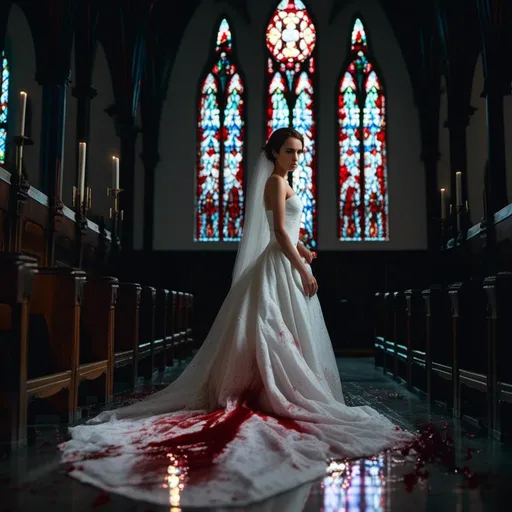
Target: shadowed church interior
(128,133)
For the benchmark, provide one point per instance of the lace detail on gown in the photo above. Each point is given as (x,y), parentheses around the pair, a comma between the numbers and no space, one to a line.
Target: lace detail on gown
(260,407)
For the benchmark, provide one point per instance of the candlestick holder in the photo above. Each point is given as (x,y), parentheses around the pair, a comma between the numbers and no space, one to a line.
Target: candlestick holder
(82,207)
(21,141)
(116,215)
(18,196)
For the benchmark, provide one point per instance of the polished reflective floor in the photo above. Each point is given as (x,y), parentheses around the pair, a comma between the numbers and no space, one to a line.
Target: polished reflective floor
(477,478)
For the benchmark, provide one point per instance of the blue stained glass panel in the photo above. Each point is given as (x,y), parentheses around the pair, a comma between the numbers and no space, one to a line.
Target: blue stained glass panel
(220,169)
(350,160)
(233,196)
(208,163)
(375,195)
(4,104)
(291,41)
(363,197)
(304,176)
(278,112)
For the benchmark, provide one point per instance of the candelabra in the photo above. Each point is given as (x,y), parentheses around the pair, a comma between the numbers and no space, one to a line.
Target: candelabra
(18,195)
(116,215)
(21,141)
(82,203)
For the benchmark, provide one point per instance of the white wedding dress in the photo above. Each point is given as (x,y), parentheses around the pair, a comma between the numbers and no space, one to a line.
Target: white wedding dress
(258,411)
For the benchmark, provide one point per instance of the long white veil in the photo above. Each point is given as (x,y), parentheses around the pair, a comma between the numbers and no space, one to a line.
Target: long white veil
(186,391)
(255,233)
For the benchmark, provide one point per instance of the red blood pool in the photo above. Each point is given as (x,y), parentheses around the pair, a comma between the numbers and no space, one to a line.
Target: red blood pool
(436,446)
(195,451)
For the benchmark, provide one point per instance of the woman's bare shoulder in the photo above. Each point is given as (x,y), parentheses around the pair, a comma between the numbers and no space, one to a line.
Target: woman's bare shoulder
(275,181)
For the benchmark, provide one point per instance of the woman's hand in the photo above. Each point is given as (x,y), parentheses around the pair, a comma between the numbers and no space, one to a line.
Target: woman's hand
(309,283)
(308,255)
(305,253)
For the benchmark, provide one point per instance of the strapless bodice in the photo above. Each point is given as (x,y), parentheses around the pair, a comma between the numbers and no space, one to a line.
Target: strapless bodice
(293,213)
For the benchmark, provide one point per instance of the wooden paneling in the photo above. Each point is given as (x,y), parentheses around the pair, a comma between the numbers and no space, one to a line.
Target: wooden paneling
(35,227)
(34,241)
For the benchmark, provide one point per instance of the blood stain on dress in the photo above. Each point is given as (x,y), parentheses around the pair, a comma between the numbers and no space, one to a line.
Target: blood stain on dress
(195,452)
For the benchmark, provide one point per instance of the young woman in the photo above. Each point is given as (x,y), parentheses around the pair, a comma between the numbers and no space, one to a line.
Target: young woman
(260,408)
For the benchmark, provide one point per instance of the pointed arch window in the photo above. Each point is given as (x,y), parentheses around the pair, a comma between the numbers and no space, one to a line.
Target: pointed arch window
(4,102)
(363,187)
(220,146)
(291,39)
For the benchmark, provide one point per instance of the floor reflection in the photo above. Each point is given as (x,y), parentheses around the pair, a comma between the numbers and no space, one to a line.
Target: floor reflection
(355,486)
(33,479)
(174,482)
(348,486)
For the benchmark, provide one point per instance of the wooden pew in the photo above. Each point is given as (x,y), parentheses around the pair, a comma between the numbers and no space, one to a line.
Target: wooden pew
(54,336)
(416,355)
(171,332)
(400,336)
(379,329)
(97,335)
(189,322)
(469,353)
(179,326)
(126,337)
(389,342)
(438,357)
(146,332)
(161,313)
(499,335)
(17,272)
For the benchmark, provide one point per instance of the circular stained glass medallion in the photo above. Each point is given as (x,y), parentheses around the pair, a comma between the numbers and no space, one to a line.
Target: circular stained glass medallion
(291,35)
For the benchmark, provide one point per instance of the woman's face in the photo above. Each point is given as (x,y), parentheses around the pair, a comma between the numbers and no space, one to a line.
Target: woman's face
(289,154)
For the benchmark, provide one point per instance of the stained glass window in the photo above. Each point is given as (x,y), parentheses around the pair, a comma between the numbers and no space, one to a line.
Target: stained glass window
(4,100)
(220,151)
(291,39)
(363,189)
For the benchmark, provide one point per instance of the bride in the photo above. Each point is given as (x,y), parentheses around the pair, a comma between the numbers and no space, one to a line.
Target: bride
(260,409)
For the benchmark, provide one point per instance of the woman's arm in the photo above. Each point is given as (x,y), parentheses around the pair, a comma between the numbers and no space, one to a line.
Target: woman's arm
(277,197)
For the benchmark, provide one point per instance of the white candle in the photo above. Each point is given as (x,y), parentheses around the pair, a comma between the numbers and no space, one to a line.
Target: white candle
(115,172)
(23,111)
(443,203)
(82,148)
(458,188)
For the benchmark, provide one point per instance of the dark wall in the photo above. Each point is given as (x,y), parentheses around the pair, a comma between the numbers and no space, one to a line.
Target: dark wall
(351,277)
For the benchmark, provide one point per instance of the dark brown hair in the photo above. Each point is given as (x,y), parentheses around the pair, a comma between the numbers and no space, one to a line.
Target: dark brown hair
(278,138)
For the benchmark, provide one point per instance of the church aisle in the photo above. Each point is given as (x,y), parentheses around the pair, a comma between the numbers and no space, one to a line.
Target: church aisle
(33,479)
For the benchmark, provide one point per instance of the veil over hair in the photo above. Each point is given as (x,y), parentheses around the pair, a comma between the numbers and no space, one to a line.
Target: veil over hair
(255,233)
